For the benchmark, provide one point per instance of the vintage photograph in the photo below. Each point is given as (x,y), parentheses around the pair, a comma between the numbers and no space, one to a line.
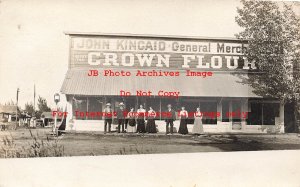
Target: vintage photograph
(81,92)
(95,78)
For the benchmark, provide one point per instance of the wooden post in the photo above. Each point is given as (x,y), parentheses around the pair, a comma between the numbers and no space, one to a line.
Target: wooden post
(55,133)
(34,98)
(281,116)
(230,116)
(160,108)
(87,107)
(219,109)
(18,90)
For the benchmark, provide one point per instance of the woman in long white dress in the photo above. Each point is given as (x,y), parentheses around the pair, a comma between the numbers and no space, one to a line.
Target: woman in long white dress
(198,127)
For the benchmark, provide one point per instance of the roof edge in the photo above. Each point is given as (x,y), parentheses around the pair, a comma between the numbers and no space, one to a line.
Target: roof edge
(71,33)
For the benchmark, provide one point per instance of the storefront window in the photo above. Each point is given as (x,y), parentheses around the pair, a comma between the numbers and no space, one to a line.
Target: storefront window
(263,113)
(79,105)
(155,104)
(236,110)
(190,106)
(270,111)
(94,106)
(141,101)
(255,115)
(225,111)
(209,110)
(130,102)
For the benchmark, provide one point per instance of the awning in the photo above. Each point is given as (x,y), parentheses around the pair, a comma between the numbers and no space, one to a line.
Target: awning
(221,84)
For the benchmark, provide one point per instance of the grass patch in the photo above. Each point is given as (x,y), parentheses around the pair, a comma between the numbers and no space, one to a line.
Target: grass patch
(36,147)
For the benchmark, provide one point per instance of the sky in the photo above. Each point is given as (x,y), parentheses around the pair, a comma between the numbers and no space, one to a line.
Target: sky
(34,48)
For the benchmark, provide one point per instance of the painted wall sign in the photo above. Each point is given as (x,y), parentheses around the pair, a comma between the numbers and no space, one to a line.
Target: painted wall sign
(131,52)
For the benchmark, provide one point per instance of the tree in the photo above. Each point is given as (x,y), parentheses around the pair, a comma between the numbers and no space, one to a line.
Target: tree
(273,34)
(11,102)
(42,106)
(29,109)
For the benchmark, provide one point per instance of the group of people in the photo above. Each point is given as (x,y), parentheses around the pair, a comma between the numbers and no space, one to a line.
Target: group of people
(134,122)
(183,116)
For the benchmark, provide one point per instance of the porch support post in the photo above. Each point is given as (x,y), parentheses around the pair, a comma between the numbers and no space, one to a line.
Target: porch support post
(244,111)
(281,117)
(70,115)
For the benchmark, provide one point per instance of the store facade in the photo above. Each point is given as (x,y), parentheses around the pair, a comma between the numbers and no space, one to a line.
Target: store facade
(210,73)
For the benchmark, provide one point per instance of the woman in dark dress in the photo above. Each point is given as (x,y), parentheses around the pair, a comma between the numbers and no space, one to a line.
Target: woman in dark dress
(183,121)
(131,121)
(151,127)
(141,120)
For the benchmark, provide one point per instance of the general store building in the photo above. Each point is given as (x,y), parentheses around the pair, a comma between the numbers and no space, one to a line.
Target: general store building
(225,92)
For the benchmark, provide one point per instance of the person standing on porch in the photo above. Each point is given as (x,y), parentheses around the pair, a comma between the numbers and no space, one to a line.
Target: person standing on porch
(107,118)
(151,127)
(121,117)
(183,114)
(170,117)
(131,128)
(141,120)
(198,127)
(126,119)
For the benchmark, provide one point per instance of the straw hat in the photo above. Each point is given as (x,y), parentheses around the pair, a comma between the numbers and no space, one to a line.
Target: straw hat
(121,104)
(108,104)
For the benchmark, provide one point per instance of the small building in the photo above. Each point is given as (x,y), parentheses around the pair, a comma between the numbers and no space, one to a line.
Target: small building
(47,118)
(8,112)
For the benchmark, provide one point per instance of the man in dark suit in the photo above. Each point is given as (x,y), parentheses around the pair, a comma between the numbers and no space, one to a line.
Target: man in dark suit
(107,118)
(121,117)
(170,118)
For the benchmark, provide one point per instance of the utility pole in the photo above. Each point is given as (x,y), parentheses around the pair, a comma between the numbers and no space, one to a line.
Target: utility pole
(34,98)
(18,90)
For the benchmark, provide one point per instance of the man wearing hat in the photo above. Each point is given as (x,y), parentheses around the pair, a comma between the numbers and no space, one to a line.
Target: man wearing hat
(121,117)
(107,117)
(170,118)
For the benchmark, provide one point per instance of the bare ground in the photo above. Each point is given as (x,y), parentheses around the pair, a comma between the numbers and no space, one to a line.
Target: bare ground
(96,143)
